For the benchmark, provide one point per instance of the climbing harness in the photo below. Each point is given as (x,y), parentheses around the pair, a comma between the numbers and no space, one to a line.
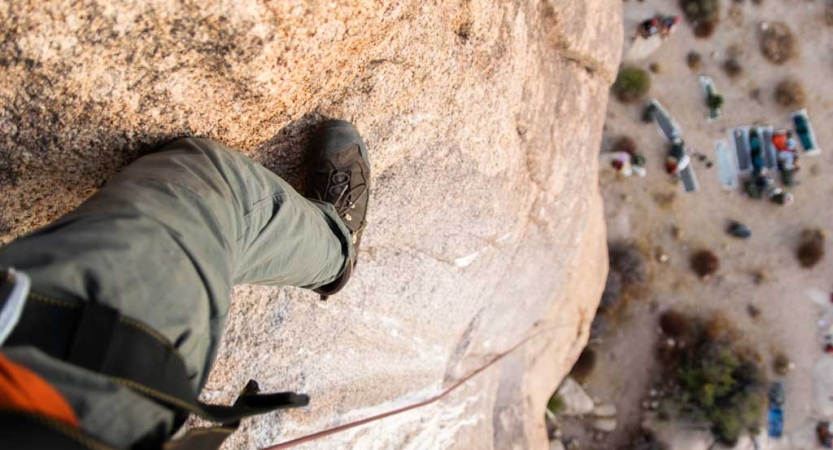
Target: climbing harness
(98,338)
(132,354)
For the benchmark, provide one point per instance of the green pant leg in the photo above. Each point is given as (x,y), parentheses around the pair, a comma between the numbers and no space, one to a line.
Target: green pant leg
(166,239)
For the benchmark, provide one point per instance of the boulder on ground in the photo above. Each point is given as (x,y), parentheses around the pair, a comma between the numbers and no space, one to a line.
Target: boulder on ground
(556,445)
(607,424)
(576,400)
(605,410)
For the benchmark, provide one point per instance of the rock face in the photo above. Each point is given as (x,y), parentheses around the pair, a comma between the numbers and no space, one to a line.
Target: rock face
(484,121)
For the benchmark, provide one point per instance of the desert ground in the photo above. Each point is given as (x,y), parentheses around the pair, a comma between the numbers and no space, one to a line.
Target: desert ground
(644,211)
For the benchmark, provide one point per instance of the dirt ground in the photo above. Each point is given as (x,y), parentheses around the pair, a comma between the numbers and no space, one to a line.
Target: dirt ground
(483,121)
(645,210)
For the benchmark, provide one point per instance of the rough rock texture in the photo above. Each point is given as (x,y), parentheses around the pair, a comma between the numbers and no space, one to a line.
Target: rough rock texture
(483,119)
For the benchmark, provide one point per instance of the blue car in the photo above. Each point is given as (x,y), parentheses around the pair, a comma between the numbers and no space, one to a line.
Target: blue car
(776,421)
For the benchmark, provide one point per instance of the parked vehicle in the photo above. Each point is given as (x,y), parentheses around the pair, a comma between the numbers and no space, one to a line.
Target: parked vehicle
(678,161)
(667,125)
(777,393)
(740,137)
(756,152)
(713,100)
(770,154)
(805,132)
(775,423)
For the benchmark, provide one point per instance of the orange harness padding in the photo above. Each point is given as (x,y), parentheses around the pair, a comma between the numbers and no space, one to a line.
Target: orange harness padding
(23,390)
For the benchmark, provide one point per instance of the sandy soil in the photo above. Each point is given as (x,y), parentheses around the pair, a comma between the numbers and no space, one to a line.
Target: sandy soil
(483,119)
(644,210)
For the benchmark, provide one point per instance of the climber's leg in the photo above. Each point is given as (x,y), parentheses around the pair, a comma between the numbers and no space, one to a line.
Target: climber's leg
(165,240)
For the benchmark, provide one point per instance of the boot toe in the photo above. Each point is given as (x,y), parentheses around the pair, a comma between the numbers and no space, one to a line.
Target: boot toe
(334,136)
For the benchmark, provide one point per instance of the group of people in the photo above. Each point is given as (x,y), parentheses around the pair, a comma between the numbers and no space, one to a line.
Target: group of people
(659,24)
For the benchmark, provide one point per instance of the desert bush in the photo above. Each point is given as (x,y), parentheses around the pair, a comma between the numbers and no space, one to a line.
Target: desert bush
(704,30)
(778,43)
(655,67)
(584,366)
(625,144)
(719,328)
(631,84)
(704,15)
(694,60)
(645,440)
(790,93)
(674,323)
(811,249)
(733,68)
(781,364)
(720,379)
(628,260)
(705,263)
(625,281)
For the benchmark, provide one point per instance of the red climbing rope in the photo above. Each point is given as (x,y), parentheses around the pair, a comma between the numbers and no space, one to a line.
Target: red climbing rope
(457,384)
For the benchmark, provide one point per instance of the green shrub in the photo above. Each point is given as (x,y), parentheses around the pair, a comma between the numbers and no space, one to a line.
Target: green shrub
(631,84)
(556,403)
(720,380)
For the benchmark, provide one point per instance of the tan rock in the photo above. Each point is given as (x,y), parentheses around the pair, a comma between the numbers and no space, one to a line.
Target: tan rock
(605,410)
(576,400)
(483,120)
(606,424)
(556,445)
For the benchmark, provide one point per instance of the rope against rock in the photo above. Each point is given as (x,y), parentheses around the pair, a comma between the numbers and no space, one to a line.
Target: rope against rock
(331,431)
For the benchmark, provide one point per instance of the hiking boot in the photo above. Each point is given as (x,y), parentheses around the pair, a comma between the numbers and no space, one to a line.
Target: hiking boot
(339,173)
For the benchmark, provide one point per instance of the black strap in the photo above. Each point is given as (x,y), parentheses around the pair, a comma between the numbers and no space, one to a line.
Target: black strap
(93,336)
(98,338)
(22,430)
(27,431)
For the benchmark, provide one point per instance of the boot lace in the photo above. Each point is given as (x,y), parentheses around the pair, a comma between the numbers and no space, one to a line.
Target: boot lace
(344,197)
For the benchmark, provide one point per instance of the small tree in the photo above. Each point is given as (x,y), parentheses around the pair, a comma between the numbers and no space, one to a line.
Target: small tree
(720,380)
